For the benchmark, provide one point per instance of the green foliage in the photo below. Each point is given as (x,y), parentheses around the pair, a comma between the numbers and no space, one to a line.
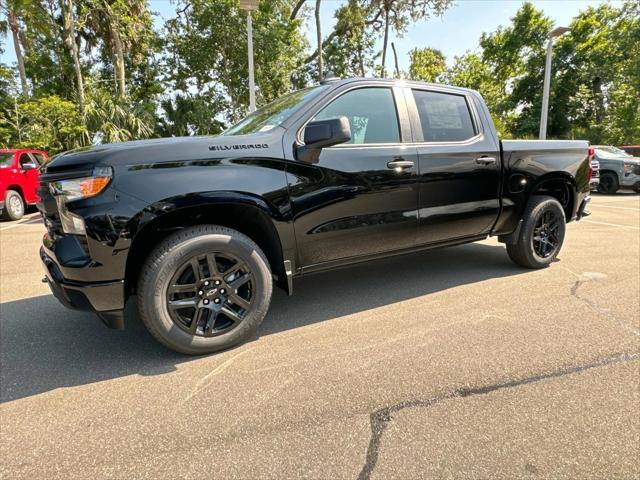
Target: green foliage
(350,51)
(427,64)
(49,123)
(207,42)
(190,77)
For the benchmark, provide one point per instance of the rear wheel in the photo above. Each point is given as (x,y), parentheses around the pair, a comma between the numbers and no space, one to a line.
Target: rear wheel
(203,289)
(13,206)
(608,183)
(541,235)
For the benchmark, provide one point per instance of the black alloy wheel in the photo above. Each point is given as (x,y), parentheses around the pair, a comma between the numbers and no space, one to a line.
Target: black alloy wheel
(546,234)
(203,289)
(210,294)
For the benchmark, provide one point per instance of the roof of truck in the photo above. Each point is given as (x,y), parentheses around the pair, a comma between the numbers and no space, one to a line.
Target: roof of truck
(334,81)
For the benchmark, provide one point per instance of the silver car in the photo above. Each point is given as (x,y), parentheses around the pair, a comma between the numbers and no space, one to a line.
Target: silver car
(618,169)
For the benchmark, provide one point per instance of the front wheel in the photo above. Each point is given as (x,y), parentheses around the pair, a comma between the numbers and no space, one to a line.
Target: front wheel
(204,289)
(609,183)
(541,235)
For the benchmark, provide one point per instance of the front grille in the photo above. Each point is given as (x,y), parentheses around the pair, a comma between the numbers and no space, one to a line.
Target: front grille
(636,169)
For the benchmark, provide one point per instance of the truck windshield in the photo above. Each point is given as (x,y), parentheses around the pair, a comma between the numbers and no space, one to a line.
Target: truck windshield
(609,151)
(6,159)
(273,114)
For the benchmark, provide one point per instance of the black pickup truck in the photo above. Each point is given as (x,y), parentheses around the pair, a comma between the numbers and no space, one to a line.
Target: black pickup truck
(200,228)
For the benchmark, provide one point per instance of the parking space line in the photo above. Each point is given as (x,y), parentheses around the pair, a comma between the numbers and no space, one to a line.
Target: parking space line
(31,221)
(611,206)
(612,224)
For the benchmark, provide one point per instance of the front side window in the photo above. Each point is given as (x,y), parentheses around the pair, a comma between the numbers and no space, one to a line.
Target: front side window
(371,113)
(25,159)
(444,117)
(39,158)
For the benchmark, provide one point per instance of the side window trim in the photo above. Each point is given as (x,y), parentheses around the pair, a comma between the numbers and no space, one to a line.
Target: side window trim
(416,123)
(340,93)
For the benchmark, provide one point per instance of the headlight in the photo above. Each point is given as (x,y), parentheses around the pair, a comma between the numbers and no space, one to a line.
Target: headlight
(77,188)
(66,191)
(628,167)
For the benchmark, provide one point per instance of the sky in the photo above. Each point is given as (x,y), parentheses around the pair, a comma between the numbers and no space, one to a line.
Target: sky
(457,31)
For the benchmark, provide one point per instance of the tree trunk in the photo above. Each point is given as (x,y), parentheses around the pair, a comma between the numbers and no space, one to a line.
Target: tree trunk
(395,56)
(319,39)
(384,43)
(70,40)
(118,61)
(15,32)
(296,9)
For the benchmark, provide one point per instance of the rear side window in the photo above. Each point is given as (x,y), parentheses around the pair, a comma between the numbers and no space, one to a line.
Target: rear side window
(445,117)
(371,113)
(6,159)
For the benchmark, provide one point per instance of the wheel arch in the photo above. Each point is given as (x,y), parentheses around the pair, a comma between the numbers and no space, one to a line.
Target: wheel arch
(17,188)
(560,185)
(253,216)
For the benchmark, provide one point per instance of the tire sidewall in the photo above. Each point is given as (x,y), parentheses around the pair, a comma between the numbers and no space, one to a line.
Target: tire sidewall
(544,205)
(613,187)
(154,291)
(10,214)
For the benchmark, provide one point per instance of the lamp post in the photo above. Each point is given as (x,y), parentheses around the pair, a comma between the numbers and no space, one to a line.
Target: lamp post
(556,32)
(248,6)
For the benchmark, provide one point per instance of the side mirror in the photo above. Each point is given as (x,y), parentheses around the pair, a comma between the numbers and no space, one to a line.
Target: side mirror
(326,133)
(321,134)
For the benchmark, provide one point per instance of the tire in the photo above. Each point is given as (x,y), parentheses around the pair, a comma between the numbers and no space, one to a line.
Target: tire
(172,296)
(609,183)
(13,206)
(533,246)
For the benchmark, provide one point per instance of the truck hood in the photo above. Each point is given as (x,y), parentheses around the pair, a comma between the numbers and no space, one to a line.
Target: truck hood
(616,158)
(263,144)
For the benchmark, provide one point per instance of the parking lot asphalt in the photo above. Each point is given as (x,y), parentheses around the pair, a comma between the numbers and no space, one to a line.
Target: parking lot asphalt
(450,363)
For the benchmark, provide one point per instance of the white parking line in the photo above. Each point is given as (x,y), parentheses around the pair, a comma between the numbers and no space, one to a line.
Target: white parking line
(611,206)
(28,222)
(612,224)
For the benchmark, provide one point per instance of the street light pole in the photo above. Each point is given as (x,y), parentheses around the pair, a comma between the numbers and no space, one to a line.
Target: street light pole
(547,80)
(250,5)
(252,85)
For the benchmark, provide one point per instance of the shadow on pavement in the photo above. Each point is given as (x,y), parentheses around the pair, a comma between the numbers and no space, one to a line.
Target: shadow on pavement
(44,346)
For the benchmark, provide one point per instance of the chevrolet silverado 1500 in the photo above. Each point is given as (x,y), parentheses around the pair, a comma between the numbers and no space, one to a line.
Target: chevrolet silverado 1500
(201,228)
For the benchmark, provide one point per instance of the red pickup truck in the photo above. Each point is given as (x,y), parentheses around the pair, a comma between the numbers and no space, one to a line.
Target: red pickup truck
(19,179)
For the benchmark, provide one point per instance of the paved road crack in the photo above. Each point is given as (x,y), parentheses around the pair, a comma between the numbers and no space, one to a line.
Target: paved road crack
(381,418)
(598,309)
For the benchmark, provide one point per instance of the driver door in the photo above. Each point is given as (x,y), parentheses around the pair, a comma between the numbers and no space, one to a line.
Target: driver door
(361,197)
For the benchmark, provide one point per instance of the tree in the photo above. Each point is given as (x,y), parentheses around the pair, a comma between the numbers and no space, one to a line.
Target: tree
(203,60)
(349,51)
(70,40)
(14,11)
(396,14)
(48,123)
(426,64)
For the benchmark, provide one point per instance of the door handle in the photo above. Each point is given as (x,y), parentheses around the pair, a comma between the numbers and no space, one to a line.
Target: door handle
(485,160)
(399,164)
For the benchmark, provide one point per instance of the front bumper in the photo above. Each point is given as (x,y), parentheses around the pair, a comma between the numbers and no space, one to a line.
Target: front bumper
(630,180)
(106,299)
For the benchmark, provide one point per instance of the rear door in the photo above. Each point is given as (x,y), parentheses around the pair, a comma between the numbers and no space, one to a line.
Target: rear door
(361,197)
(459,179)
